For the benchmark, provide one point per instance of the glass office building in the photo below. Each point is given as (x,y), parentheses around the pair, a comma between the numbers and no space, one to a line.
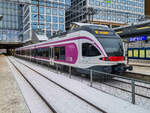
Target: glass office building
(11,23)
(108,11)
(47,19)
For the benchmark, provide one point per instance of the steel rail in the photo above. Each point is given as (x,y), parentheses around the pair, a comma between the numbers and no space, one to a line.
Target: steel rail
(44,100)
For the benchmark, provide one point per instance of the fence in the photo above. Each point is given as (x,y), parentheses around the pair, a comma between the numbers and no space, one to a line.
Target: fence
(135,91)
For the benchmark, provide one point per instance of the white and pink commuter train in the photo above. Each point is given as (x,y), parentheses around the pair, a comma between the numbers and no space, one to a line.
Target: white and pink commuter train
(87,46)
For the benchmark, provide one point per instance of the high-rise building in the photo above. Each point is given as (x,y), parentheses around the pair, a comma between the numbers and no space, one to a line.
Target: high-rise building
(43,17)
(147,7)
(109,12)
(11,23)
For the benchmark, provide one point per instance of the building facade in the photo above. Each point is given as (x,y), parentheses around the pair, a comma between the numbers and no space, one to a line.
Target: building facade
(109,12)
(147,7)
(43,17)
(11,23)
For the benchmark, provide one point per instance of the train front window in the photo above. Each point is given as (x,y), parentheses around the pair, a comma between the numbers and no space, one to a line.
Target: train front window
(88,50)
(112,46)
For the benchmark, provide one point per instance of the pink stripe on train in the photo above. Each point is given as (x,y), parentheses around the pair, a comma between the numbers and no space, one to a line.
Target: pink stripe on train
(75,38)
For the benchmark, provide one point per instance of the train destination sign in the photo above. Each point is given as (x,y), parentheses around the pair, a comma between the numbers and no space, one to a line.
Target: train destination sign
(138,38)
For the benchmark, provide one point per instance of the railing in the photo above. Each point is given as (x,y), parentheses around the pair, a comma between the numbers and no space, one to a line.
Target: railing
(133,90)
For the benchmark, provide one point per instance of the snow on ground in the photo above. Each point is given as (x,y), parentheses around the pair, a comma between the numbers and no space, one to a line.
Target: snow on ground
(105,101)
(34,102)
(60,99)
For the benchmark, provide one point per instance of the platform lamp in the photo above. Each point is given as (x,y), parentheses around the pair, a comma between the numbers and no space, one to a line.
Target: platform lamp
(1,17)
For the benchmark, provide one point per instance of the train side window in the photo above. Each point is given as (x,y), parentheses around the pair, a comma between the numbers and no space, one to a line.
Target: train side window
(57,52)
(60,53)
(38,51)
(41,53)
(89,50)
(45,52)
(35,51)
(50,52)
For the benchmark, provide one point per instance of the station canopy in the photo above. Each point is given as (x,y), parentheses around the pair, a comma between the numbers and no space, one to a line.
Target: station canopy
(133,30)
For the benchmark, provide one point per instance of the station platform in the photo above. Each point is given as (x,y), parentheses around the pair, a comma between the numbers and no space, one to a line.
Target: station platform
(11,99)
(139,64)
(140,68)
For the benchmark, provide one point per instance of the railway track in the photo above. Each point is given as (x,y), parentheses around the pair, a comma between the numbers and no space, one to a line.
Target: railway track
(124,85)
(43,98)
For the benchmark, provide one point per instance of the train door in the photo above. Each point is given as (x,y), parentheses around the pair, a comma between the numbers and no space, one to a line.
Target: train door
(51,54)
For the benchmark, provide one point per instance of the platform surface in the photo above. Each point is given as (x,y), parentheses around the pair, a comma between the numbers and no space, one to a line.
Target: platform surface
(141,68)
(11,99)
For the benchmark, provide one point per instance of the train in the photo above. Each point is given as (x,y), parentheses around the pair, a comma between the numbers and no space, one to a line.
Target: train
(84,46)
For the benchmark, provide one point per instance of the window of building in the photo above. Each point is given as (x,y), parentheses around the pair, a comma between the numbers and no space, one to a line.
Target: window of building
(55,19)
(34,17)
(54,11)
(48,11)
(48,26)
(34,27)
(61,0)
(55,5)
(89,50)
(61,20)
(41,17)
(91,2)
(48,18)
(61,27)
(97,3)
(41,10)
(61,6)
(61,12)
(55,26)
(34,9)
(41,25)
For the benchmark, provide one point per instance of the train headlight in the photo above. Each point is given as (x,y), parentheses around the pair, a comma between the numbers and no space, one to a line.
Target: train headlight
(104,59)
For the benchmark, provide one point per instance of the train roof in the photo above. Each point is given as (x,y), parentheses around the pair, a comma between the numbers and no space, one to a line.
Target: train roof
(77,23)
(86,24)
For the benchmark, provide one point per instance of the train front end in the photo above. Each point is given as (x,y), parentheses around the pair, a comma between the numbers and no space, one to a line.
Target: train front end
(113,47)
(106,54)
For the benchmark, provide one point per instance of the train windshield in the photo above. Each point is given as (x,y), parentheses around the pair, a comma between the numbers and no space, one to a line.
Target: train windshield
(112,46)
